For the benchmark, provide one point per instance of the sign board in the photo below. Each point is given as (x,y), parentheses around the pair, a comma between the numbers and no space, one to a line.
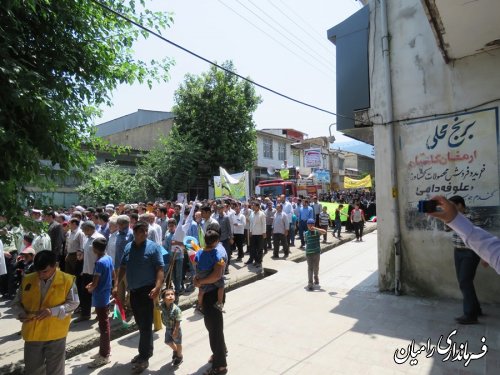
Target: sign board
(453,155)
(312,158)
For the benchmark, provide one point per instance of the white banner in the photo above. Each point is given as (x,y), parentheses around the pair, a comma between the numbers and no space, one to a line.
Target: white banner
(456,155)
(312,158)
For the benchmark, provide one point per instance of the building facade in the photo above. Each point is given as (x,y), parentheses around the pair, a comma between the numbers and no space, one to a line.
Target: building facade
(426,78)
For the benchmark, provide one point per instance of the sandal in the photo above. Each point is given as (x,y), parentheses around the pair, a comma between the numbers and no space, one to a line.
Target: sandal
(216,371)
(139,367)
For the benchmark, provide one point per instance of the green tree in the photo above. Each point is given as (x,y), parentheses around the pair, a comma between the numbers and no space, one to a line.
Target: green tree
(170,167)
(108,183)
(215,110)
(59,62)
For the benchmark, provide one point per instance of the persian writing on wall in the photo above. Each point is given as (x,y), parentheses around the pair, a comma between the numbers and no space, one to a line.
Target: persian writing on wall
(456,155)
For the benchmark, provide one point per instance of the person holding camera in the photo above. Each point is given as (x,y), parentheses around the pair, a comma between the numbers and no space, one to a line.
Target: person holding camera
(484,244)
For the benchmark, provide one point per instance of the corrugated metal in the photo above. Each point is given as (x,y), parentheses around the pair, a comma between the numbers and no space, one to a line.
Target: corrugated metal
(134,120)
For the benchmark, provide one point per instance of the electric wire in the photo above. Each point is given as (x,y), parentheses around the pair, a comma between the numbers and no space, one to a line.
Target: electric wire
(312,50)
(300,18)
(142,27)
(327,72)
(303,29)
(407,119)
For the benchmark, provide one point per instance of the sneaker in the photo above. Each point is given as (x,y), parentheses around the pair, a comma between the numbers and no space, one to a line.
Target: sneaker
(177,361)
(96,355)
(98,362)
(219,306)
(258,265)
(310,287)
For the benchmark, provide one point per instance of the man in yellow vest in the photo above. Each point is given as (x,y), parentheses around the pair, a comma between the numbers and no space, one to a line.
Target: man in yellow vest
(45,301)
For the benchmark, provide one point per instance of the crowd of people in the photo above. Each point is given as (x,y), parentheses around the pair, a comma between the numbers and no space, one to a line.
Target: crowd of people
(135,253)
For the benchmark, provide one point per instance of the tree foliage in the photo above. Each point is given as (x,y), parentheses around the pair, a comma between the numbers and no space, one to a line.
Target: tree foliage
(59,61)
(214,110)
(108,183)
(170,167)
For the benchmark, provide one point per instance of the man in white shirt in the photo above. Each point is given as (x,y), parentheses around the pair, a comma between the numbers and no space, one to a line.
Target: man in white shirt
(239,223)
(485,244)
(257,235)
(113,234)
(280,232)
(75,241)
(89,259)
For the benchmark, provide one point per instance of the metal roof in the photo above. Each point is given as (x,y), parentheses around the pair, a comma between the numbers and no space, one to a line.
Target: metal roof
(131,121)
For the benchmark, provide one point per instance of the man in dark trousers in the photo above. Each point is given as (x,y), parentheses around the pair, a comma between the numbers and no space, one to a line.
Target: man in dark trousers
(56,234)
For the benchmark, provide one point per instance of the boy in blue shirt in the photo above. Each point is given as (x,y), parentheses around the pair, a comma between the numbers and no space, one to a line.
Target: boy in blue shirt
(205,261)
(100,287)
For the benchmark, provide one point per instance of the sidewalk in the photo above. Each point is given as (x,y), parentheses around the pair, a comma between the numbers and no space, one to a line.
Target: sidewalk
(346,326)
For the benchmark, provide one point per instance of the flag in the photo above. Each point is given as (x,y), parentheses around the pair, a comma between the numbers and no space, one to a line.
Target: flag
(119,313)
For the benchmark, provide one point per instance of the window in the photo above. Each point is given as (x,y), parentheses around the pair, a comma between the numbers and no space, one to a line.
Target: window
(268,148)
(296,158)
(282,151)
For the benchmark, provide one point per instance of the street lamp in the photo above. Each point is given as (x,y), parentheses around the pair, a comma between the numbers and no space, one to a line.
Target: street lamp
(331,139)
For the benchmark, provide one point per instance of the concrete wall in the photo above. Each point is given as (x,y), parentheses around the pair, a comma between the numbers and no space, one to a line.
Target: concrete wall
(423,85)
(143,137)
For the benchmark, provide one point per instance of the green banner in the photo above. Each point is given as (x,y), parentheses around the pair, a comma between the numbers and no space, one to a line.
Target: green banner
(331,207)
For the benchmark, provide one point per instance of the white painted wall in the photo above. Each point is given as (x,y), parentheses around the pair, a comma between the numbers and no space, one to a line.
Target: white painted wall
(274,162)
(423,85)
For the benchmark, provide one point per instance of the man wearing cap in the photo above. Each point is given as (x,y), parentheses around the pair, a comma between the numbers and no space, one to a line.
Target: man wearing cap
(28,254)
(89,259)
(36,214)
(142,264)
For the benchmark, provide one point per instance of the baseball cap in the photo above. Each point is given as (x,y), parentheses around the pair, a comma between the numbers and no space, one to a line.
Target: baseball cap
(28,250)
(310,221)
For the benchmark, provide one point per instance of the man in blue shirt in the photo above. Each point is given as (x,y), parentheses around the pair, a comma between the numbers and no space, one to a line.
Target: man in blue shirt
(142,263)
(305,213)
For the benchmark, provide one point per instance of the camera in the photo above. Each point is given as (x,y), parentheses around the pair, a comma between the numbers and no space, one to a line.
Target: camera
(427,206)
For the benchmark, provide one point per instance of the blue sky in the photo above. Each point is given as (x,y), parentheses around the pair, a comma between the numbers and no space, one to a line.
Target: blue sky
(281,44)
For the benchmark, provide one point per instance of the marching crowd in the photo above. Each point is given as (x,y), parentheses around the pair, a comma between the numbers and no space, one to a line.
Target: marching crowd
(137,253)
